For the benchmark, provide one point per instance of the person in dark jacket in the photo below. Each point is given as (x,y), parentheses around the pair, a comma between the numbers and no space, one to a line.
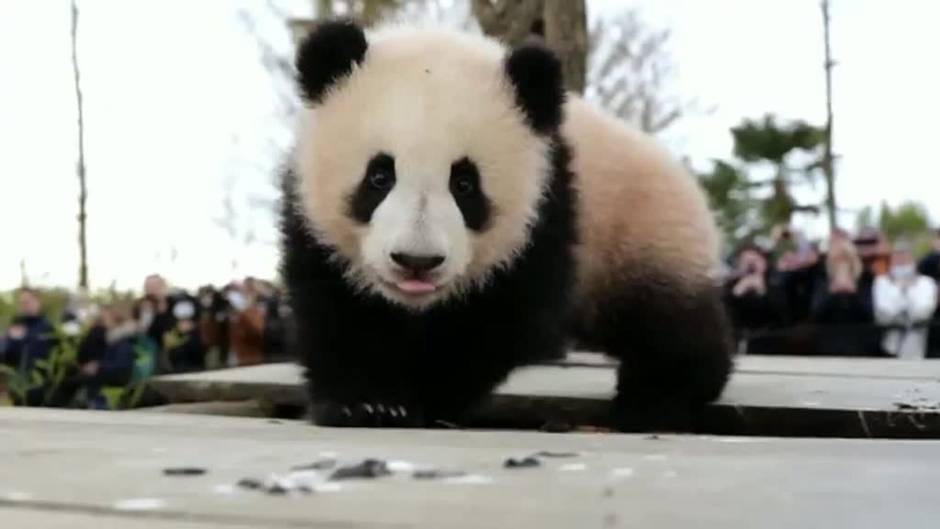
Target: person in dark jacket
(275,316)
(28,339)
(842,306)
(752,302)
(798,269)
(184,343)
(171,322)
(105,358)
(214,324)
(930,265)
(755,302)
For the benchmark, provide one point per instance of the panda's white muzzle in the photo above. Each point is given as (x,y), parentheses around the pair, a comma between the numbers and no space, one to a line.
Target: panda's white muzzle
(417,245)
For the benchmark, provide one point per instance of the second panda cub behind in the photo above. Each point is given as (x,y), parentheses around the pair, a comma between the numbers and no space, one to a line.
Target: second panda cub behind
(450,213)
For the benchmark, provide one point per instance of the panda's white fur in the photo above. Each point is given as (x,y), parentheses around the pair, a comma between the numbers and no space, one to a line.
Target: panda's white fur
(639,210)
(433,96)
(429,97)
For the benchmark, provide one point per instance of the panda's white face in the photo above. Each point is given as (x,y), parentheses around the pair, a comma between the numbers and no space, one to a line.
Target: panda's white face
(419,170)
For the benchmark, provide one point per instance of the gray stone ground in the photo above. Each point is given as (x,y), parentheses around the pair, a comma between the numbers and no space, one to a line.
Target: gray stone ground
(105,470)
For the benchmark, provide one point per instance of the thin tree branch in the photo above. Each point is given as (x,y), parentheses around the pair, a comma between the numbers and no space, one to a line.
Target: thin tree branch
(80,165)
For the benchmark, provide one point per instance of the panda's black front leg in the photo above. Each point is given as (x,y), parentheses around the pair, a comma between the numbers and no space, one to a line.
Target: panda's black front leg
(357,378)
(675,349)
(359,359)
(348,393)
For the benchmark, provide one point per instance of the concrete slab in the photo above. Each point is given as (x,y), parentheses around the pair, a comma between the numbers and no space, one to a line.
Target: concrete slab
(841,367)
(64,465)
(832,397)
(237,408)
(796,365)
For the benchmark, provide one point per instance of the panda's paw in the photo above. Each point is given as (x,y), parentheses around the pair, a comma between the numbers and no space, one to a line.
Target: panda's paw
(371,414)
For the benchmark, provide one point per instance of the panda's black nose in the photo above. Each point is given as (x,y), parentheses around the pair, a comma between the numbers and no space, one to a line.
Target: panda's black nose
(417,264)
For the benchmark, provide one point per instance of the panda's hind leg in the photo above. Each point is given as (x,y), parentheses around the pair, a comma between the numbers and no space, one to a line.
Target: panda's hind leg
(675,347)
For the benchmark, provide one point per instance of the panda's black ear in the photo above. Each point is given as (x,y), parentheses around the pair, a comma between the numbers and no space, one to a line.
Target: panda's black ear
(536,75)
(327,55)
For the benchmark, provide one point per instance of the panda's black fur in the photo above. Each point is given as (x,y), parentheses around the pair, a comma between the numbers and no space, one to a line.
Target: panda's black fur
(370,362)
(316,72)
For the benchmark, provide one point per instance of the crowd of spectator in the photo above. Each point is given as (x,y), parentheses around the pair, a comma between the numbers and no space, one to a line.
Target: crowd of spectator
(860,296)
(68,360)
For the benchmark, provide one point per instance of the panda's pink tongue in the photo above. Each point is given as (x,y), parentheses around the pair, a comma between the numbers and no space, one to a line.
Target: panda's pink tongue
(416,286)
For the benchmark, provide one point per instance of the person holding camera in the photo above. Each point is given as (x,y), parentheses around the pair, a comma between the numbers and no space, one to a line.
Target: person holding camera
(798,271)
(842,309)
(751,299)
(169,320)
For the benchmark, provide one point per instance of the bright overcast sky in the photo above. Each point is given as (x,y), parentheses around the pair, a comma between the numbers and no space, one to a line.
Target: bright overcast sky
(178,109)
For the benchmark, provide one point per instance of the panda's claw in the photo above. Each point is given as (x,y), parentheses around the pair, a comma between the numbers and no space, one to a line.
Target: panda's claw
(365,414)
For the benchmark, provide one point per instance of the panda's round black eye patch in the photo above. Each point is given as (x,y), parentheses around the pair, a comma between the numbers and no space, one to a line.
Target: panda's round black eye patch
(378,181)
(465,187)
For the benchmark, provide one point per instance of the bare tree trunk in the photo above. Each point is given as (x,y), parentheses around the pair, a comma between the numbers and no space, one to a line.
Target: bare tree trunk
(322,8)
(567,35)
(24,279)
(80,166)
(365,12)
(511,21)
(828,168)
(562,24)
(372,11)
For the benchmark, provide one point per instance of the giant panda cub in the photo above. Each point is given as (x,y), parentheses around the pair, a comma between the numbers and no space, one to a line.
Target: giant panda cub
(450,213)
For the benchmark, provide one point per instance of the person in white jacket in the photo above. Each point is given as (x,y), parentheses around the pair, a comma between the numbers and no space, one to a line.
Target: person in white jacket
(904,303)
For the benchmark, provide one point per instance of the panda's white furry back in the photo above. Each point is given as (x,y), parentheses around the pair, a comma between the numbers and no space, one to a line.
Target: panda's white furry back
(450,213)
(640,214)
